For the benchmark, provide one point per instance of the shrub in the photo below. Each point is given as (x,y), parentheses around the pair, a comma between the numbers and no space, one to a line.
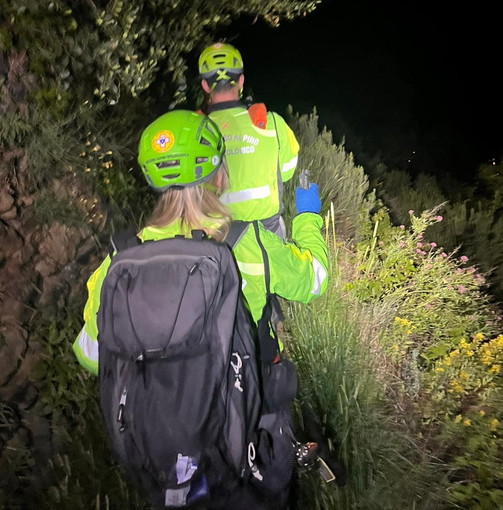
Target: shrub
(440,340)
(341,182)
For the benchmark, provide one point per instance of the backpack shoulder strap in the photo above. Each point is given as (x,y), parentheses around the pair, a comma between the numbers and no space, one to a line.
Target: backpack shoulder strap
(258,115)
(265,258)
(266,329)
(122,240)
(236,232)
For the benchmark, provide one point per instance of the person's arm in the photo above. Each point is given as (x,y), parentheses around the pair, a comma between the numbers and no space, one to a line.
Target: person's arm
(299,270)
(85,346)
(306,257)
(288,148)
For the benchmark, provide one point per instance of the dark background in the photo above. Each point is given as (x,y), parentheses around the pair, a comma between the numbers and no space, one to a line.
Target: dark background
(414,84)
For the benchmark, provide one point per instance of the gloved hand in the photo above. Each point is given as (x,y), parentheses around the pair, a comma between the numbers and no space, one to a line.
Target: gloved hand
(307,200)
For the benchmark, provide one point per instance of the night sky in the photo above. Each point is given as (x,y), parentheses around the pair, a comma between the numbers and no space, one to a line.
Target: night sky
(391,77)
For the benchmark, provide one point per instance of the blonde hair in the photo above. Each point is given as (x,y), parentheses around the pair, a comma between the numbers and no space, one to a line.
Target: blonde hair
(197,207)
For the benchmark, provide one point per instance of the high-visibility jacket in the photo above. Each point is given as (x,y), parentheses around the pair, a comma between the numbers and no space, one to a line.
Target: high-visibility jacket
(259,160)
(298,272)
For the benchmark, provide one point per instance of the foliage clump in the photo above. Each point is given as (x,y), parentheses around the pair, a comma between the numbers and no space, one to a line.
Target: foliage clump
(401,358)
(472,212)
(341,182)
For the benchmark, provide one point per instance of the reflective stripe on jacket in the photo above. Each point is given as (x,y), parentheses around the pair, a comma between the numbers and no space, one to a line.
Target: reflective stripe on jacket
(259,161)
(298,272)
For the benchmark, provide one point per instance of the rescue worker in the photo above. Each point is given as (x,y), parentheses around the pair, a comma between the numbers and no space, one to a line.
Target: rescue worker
(189,185)
(298,270)
(261,149)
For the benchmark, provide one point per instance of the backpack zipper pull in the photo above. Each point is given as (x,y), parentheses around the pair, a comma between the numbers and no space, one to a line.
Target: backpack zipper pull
(193,268)
(122,406)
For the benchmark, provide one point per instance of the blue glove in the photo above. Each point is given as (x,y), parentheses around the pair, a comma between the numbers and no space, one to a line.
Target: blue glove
(307,200)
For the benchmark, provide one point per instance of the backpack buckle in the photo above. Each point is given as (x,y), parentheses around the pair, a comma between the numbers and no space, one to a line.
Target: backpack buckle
(306,454)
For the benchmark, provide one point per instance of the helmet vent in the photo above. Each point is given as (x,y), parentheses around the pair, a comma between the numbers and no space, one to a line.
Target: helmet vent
(168,164)
(204,141)
(219,58)
(201,160)
(169,177)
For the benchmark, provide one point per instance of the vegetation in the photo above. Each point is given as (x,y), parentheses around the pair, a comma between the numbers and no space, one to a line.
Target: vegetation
(473,220)
(401,359)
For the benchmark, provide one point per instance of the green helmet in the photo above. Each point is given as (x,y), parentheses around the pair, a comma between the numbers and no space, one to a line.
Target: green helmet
(220,61)
(180,148)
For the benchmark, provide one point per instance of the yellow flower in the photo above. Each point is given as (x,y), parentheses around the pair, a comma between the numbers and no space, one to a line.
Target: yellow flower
(454,353)
(467,422)
(487,359)
(458,418)
(463,344)
(463,375)
(469,353)
(486,355)
(482,413)
(439,369)
(456,386)
(447,362)
(498,341)
(478,337)
(402,322)
(495,369)
(493,425)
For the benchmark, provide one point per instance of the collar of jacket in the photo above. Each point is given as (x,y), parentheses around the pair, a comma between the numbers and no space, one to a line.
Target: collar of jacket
(224,105)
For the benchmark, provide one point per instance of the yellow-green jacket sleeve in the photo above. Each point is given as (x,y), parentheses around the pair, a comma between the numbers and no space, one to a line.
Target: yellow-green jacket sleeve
(299,270)
(85,346)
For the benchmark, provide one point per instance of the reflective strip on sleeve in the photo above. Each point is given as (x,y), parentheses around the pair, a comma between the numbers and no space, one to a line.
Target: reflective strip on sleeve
(88,346)
(253,269)
(319,277)
(246,194)
(290,165)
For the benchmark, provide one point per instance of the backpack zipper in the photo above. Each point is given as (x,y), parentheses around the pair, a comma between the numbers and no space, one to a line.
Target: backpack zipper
(121,412)
(198,258)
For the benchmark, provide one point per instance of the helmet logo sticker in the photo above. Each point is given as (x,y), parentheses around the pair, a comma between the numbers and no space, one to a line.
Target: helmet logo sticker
(215,160)
(163,141)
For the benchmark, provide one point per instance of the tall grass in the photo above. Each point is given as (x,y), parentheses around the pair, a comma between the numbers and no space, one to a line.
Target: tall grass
(333,345)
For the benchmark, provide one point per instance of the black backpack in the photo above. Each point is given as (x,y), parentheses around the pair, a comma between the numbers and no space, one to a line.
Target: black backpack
(179,385)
